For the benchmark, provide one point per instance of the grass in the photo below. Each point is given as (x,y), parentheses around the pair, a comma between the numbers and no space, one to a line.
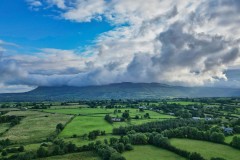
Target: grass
(183,102)
(133,112)
(84,124)
(77,111)
(80,142)
(150,153)
(32,147)
(4,127)
(74,156)
(207,149)
(35,127)
(8,109)
(69,106)
(101,112)
(228,139)
(93,119)
(141,121)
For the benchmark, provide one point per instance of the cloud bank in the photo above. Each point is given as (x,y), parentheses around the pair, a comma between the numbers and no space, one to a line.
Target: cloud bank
(177,42)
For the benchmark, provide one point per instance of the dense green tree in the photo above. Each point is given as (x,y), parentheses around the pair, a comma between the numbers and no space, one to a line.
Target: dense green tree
(236,142)
(42,152)
(217,158)
(120,147)
(4,153)
(113,140)
(147,115)
(195,156)
(108,118)
(217,137)
(60,126)
(71,147)
(236,129)
(138,138)
(124,139)
(57,150)
(128,147)
(126,115)
(117,156)
(21,149)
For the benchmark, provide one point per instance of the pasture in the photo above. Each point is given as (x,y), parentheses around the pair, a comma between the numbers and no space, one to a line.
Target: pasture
(80,141)
(34,127)
(81,125)
(90,119)
(228,139)
(135,112)
(4,127)
(148,152)
(74,156)
(84,124)
(207,149)
(79,111)
(183,102)
(101,111)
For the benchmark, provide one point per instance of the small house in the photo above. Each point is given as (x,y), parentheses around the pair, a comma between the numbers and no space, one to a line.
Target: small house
(196,118)
(24,108)
(208,118)
(116,119)
(227,130)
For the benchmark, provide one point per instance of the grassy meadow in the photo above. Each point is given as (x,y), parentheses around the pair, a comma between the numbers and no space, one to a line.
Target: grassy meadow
(207,149)
(34,127)
(228,139)
(4,127)
(80,141)
(74,156)
(89,119)
(84,124)
(148,152)
(79,111)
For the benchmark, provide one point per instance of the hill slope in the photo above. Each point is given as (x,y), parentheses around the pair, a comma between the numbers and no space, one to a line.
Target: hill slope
(118,91)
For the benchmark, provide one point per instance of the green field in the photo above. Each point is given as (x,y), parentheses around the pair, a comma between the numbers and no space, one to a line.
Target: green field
(150,153)
(228,139)
(69,106)
(183,102)
(101,112)
(80,141)
(90,119)
(74,156)
(207,149)
(133,112)
(84,124)
(4,127)
(35,127)
(77,111)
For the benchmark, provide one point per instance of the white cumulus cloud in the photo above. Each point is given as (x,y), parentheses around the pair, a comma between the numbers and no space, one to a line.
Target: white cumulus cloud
(188,42)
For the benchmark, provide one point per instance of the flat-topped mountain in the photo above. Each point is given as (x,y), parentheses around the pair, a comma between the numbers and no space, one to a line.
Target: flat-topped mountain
(124,90)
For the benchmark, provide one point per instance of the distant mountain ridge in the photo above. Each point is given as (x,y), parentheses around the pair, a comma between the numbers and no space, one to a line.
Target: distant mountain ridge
(126,90)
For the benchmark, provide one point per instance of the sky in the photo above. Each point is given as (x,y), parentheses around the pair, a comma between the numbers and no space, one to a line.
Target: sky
(96,42)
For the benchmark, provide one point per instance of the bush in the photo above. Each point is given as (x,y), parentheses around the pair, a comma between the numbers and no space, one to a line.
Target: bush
(4,153)
(60,127)
(128,147)
(41,152)
(236,129)
(195,156)
(117,156)
(21,149)
(216,158)
(236,142)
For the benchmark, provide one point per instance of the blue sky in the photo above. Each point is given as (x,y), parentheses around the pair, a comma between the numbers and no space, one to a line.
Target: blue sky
(95,42)
(44,29)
